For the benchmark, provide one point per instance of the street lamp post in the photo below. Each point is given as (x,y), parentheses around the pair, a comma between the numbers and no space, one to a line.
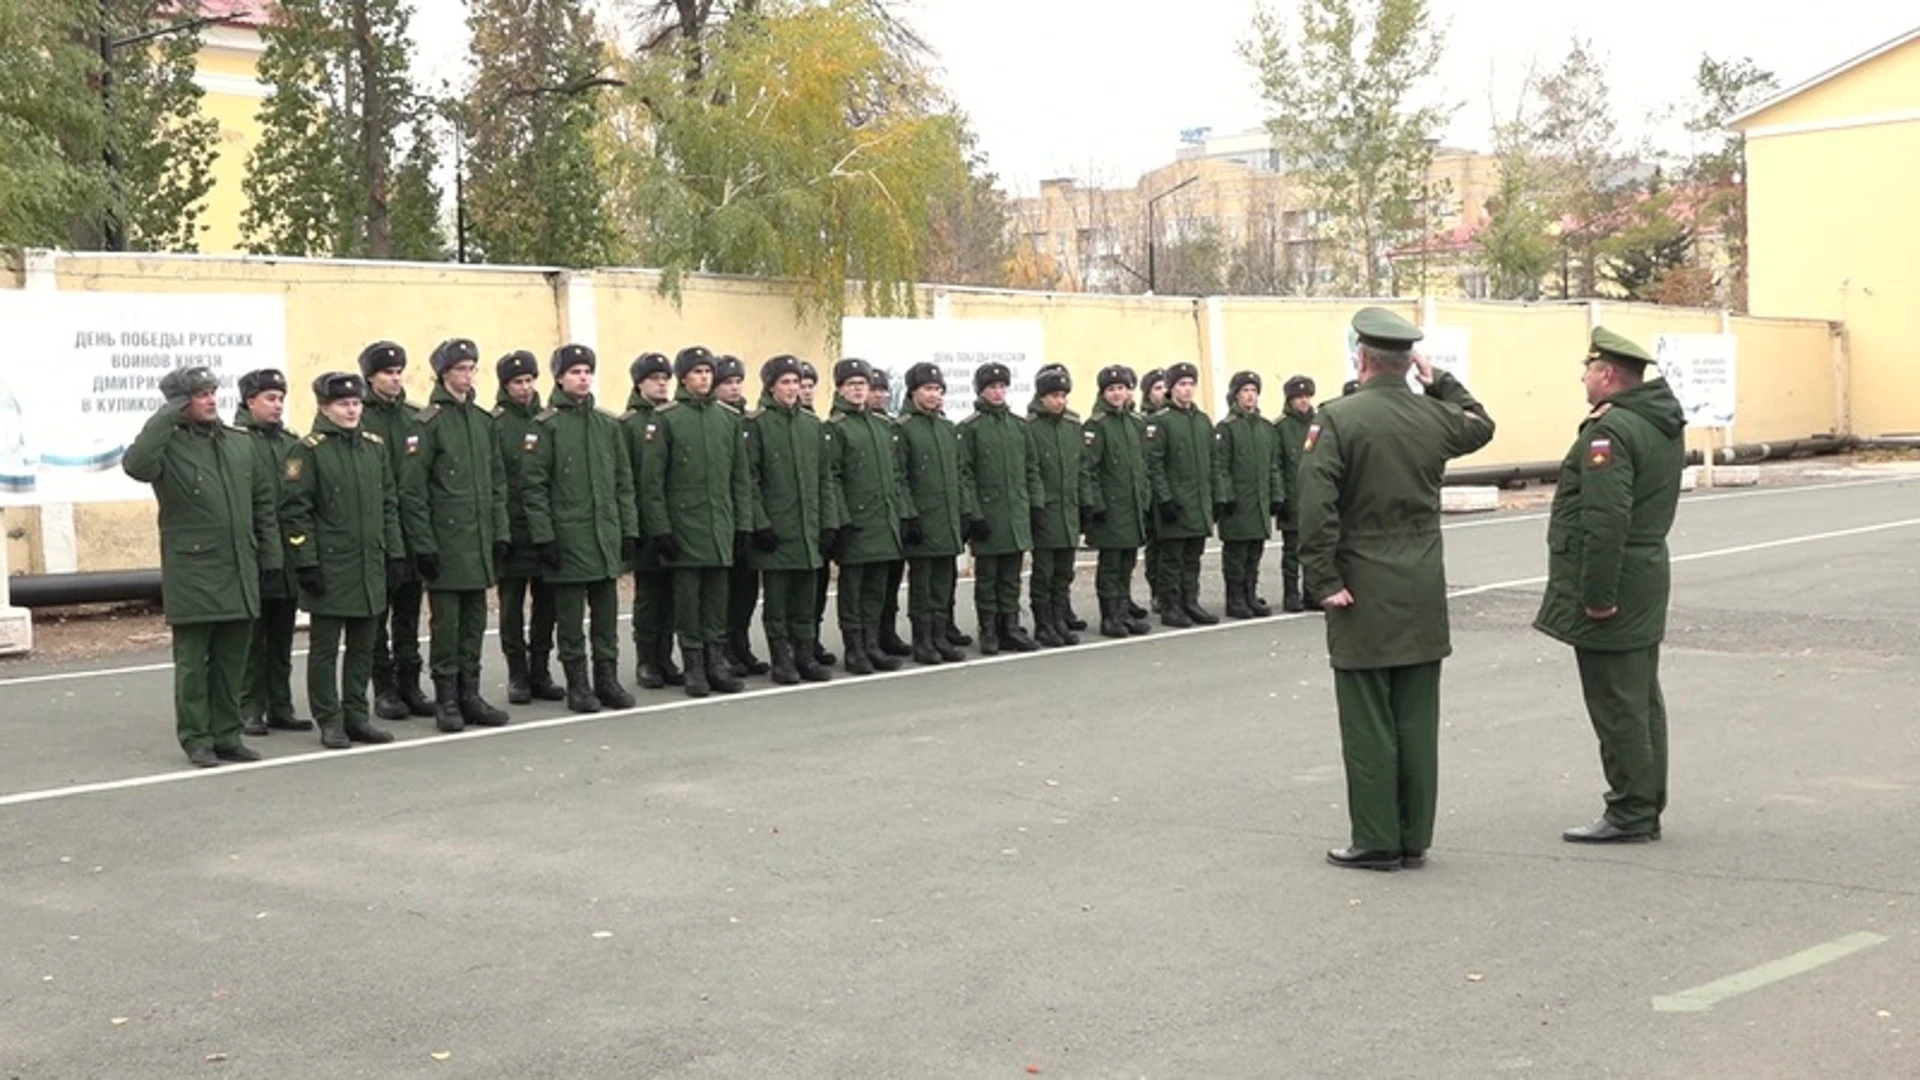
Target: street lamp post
(1153,234)
(456,112)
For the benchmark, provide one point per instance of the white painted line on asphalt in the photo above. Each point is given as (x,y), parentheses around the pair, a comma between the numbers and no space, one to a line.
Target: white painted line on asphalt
(1702,998)
(840,682)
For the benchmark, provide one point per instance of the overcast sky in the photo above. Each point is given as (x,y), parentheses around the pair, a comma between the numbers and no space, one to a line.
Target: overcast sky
(1072,88)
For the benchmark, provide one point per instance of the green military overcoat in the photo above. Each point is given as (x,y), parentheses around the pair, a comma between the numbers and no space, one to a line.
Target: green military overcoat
(1000,478)
(453,491)
(1056,445)
(391,420)
(1292,430)
(787,455)
(696,487)
(633,426)
(579,489)
(930,458)
(1113,477)
(864,459)
(1179,446)
(514,428)
(272,442)
(1246,472)
(341,513)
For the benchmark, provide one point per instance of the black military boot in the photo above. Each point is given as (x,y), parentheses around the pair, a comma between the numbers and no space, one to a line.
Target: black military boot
(579,689)
(1260,608)
(386,694)
(853,654)
(1015,636)
(743,659)
(474,709)
(606,686)
(954,635)
(1133,617)
(363,732)
(989,634)
(673,675)
(540,680)
(804,662)
(1290,596)
(696,674)
(877,655)
(1110,624)
(288,723)
(446,700)
(782,669)
(1237,607)
(1134,611)
(518,692)
(1063,623)
(940,634)
(820,654)
(923,641)
(722,677)
(407,683)
(1044,631)
(256,727)
(1172,614)
(887,640)
(647,671)
(334,737)
(1189,603)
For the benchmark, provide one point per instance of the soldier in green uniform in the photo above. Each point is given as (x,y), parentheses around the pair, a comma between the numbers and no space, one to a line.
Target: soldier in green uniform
(1608,578)
(1056,526)
(880,403)
(219,542)
(1115,499)
(652,377)
(786,453)
(1370,543)
(695,498)
(453,510)
(584,520)
(396,642)
(1248,492)
(517,403)
(267,704)
(743,581)
(342,518)
(1295,417)
(1000,491)
(1153,398)
(864,459)
(1179,451)
(932,538)
(809,379)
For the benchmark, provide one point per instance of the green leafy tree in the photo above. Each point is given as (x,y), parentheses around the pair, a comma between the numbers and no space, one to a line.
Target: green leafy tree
(1340,81)
(1516,246)
(163,143)
(1576,136)
(1722,90)
(971,240)
(51,124)
(1646,240)
(682,27)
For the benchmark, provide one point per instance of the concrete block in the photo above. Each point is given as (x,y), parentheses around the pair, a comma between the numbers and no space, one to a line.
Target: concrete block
(16,631)
(1736,475)
(1469,498)
(1690,478)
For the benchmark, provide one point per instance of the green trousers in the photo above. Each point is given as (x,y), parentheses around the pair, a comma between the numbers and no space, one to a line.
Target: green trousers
(1290,559)
(588,609)
(790,614)
(743,594)
(652,609)
(820,596)
(1155,561)
(1113,575)
(930,587)
(397,641)
(209,670)
(1180,566)
(514,640)
(890,602)
(700,606)
(1390,737)
(269,692)
(863,593)
(1240,560)
(1629,715)
(1052,582)
(459,623)
(996,583)
(337,691)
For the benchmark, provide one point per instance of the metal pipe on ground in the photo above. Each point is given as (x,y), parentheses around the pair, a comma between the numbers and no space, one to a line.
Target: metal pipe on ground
(92,587)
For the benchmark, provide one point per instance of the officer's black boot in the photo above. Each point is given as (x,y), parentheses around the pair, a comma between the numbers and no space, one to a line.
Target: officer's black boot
(744,662)
(1290,595)
(954,635)
(474,709)
(673,675)
(853,654)
(518,691)
(1063,623)
(1044,631)
(386,695)
(362,732)
(334,737)
(1014,636)
(579,688)
(877,655)
(647,671)
(1260,608)
(1189,602)
(540,680)
(820,654)
(1133,617)
(1172,613)
(940,634)
(923,641)
(887,638)
(606,686)
(1237,607)
(696,673)
(722,677)
(782,667)
(446,701)
(1110,624)
(1133,610)
(810,669)
(989,634)
(407,682)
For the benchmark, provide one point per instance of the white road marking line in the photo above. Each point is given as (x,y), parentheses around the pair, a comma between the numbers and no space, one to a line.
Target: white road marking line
(840,683)
(1704,997)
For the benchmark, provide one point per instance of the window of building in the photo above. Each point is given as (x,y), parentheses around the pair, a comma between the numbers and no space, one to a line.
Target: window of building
(1473,283)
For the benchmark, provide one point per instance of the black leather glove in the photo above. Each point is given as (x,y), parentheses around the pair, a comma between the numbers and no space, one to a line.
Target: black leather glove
(1224,510)
(1170,512)
(1090,517)
(830,543)
(766,540)
(912,532)
(310,580)
(428,564)
(977,529)
(1038,516)
(396,573)
(501,549)
(629,548)
(666,547)
(1279,511)
(271,585)
(549,553)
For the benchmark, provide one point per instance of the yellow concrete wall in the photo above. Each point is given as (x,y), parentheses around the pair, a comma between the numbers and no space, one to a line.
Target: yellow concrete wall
(1089,332)
(1889,83)
(1525,361)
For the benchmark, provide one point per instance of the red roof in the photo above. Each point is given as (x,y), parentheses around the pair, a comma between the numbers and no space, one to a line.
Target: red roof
(252,13)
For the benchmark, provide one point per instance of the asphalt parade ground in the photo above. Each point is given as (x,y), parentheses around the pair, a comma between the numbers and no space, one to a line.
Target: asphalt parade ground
(1104,861)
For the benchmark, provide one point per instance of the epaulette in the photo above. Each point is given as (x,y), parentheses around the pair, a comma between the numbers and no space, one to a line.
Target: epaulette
(546,414)
(319,437)
(754,413)
(426,415)
(1604,408)
(971,417)
(1230,418)
(838,417)
(626,416)
(666,405)
(1071,415)
(373,437)
(499,411)
(734,409)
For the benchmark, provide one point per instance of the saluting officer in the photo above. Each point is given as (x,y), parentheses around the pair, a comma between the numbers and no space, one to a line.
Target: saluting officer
(652,377)
(880,403)
(396,642)
(453,510)
(518,402)
(786,452)
(1153,398)
(268,702)
(864,459)
(743,581)
(1248,493)
(1608,576)
(932,537)
(1056,526)
(1295,417)
(695,497)
(342,518)
(1115,499)
(219,540)
(1370,534)
(1000,490)
(1179,450)
(584,521)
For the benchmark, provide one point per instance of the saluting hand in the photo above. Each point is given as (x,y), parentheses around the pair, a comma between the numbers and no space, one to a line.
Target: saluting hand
(1423,369)
(1341,599)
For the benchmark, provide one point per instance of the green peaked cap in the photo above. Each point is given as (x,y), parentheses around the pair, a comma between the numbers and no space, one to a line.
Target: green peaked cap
(1382,329)
(1607,345)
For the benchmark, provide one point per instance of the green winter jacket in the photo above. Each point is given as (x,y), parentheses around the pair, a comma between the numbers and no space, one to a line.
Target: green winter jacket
(633,425)
(697,487)
(864,459)
(1292,427)
(1370,516)
(1614,504)
(579,490)
(341,514)
(1246,473)
(219,527)
(1000,478)
(1056,444)
(391,420)
(787,455)
(272,443)
(1179,451)
(1113,477)
(453,491)
(514,429)
(930,458)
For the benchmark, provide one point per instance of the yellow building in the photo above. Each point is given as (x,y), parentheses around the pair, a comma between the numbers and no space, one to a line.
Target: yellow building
(229,74)
(1833,223)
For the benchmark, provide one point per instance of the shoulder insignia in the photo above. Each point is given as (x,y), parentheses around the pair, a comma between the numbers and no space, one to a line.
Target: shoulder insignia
(628,415)
(545,415)
(838,417)
(297,541)
(1230,418)
(314,439)
(1153,429)
(499,411)
(652,429)
(1599,452)
(413,444)
(295,465)
(754,413)
(667,406)
(1605,408)
(1089,436)
(426,415)
(530,442)
(734,409)
(374,438)
(1071,416)
(1313,436)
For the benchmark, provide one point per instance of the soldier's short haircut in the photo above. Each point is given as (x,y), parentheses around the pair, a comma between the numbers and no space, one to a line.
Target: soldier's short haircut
(1391,361)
